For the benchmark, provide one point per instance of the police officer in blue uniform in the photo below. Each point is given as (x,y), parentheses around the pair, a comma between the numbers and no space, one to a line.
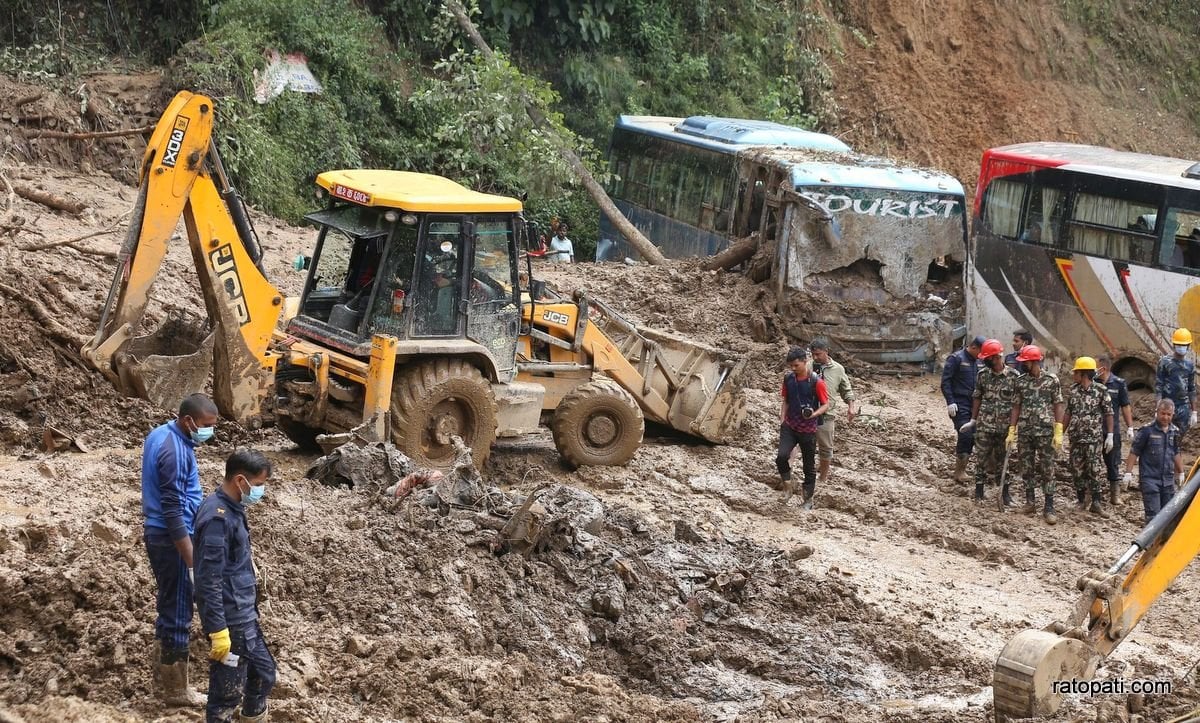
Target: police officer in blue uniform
(1118,394)
(1175,379)
(1155,449)
(241,668)
(958,386)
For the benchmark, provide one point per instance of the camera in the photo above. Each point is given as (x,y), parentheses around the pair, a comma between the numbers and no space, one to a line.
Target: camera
(806,412)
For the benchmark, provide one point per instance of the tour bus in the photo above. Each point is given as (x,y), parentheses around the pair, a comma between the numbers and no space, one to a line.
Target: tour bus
(1092,250)
(849,227)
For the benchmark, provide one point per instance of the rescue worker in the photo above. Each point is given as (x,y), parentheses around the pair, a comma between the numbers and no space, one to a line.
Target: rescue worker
(805,400)
(241,668)
(991,404)
(1089,413)
(1036,426)
(958,384)
(1021,339)
(1175,379)
(837,384)
(170,497)
(1118,394)
(1155,449)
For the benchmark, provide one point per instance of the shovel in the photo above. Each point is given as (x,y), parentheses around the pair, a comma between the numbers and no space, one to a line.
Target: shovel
(1003,476)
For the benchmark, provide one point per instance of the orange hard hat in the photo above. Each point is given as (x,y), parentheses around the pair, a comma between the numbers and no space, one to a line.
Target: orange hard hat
(991,348)
(1029,353)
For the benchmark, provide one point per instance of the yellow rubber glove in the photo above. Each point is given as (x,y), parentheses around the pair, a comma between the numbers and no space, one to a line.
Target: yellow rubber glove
(1058,431)
(1011,440)
(220,644)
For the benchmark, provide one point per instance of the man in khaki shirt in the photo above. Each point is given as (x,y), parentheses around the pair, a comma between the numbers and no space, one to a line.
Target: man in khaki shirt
(838,384)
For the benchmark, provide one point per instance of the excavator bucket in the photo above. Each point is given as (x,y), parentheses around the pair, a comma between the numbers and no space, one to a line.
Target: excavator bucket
(167,365)
(1028,667)
(701,384)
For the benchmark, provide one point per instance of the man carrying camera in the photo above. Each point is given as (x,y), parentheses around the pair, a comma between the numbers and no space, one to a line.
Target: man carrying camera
(804,401)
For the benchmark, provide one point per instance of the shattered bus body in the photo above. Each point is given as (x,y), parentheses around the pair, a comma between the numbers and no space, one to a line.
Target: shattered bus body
(849,239)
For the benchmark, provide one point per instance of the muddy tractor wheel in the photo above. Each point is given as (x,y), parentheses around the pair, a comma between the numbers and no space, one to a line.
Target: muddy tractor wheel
(302,435)
(435,400)
(598,423)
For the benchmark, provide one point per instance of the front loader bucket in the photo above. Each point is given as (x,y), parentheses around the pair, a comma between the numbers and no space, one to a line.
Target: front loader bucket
(169,364)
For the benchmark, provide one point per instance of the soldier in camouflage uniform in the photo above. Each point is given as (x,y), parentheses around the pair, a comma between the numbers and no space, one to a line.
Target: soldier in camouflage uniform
(991,404)
(1089,417)
(1036,426)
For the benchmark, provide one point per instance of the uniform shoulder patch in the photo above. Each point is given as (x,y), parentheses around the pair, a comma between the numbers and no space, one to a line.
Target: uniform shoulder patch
(220,510)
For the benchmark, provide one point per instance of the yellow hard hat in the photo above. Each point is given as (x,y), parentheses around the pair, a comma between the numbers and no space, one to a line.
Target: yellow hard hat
(1085,364)
(1182,337)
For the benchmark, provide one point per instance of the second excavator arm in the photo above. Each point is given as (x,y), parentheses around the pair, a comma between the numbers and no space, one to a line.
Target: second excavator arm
(181,176)
(1110,607)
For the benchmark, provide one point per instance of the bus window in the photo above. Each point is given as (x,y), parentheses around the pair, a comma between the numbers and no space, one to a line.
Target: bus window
(664,187)
(619,168)
(1044,216)
(637,186)
(1181,236)
(1107,226)
(1002,208)
(691,195)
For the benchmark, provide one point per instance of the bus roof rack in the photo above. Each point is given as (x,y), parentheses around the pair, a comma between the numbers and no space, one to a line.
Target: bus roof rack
(1193,171)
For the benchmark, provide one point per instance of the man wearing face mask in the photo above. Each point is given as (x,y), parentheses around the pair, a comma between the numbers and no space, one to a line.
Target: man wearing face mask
(170,496)
(1176,380)
(241,670)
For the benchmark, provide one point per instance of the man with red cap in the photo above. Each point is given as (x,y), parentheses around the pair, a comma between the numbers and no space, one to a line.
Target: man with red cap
(991,404)
(1036,427)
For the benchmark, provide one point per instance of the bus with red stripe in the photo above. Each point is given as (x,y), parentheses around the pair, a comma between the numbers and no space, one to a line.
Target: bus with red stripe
(1092,250)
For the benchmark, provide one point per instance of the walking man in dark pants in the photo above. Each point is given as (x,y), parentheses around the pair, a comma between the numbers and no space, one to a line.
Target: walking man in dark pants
(170,496)
(241,670)
(1155,450)
(804,401)
(1118,393)
(958,387)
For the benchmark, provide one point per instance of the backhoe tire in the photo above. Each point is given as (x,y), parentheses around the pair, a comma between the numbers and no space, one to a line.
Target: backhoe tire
(597,423)
(302,435)
(436,399)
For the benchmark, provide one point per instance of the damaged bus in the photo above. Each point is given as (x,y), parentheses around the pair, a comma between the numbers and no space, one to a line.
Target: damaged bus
(1092,250)
(851,238)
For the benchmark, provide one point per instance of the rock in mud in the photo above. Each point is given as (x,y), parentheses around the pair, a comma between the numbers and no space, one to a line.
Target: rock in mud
(801,552)
(107,532)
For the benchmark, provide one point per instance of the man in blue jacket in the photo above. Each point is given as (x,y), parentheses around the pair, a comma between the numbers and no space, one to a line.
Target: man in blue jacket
(170,495)
(241,670)
(958,386)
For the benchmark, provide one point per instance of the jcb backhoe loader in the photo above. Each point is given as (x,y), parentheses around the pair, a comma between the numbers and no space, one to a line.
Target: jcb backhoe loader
(412,324)
(1105,614)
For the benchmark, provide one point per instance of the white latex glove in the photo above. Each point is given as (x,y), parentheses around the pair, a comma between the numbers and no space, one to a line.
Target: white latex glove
(1195,418)
(952,409)
(1108,442)
(191,578)
(1129,431)
(967,428)
(1127,479)
(1179,477)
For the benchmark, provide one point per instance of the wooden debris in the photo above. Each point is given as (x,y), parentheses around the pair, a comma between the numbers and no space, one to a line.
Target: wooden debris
(84,136)
(58,203)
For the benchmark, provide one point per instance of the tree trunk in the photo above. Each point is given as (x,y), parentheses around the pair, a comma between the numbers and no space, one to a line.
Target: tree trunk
(649,251)
(739,252)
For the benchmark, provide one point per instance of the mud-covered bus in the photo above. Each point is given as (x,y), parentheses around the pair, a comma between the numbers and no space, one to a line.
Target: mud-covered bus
(1092,250)
(855,236)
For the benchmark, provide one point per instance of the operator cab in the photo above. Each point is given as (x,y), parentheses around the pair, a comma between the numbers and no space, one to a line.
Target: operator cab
(415,256)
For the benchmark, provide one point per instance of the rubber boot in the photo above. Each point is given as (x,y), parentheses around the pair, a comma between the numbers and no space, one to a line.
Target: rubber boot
(1114,492)
(175,690)
(1097,508)
(1030,507)
(1081,499)
(1048,512)
(978,494)
(960,468)
(1006,496)
(260,718)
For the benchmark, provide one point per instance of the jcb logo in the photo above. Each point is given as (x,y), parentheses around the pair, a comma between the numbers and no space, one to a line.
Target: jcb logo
(175,142)
(555,317)
(227,276)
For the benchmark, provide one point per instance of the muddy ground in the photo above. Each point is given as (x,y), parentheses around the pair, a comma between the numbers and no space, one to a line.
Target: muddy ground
(692,594)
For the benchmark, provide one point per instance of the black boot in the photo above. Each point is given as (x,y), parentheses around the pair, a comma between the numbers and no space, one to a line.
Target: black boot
(1097,508)
(1114,492)
(1030,507)
(978,494)
(1081,499)
(810,488)
(1006,497)
(1048,512)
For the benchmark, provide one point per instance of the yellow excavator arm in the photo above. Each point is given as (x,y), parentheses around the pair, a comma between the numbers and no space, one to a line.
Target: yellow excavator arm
(181,176)
(1108,610)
